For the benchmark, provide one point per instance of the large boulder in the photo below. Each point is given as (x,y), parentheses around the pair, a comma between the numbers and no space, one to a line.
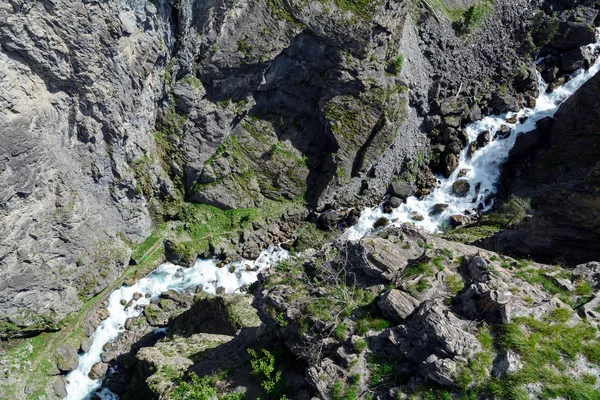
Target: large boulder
(434,329)
(66,358)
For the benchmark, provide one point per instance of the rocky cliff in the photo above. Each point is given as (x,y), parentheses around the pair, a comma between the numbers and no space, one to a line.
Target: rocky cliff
(220,125)
(557,167)
(111,111)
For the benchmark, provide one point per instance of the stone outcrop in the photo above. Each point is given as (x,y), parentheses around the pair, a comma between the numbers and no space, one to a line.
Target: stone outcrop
(441,315)
(112,110)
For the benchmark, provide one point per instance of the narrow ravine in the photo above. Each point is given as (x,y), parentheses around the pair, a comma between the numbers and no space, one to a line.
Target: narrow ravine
(204,273)
(482,169)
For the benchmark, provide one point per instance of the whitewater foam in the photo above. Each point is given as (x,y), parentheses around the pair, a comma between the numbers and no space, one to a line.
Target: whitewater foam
(204,273)
(483,167)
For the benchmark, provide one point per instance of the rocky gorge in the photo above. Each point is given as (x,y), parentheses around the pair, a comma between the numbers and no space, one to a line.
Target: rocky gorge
(137,132)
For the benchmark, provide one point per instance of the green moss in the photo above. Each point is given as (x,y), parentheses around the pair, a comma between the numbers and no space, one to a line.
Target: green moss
(455,284)
(192,80)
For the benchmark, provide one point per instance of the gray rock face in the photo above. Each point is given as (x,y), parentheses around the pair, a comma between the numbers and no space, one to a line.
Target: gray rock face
(76,110)
(249,100)
(397,305)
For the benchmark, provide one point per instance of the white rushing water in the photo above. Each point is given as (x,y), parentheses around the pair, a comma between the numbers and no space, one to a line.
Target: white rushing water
(484,167)
(204,273)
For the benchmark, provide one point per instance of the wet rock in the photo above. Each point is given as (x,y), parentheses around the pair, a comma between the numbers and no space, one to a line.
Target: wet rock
(66,358)
(503,103)
(459,220)
(461,188)
(381,222)
(397,304)
(463,172)
(330,219)
(401,190)
(577,58)
(85,345)
(438,209)
(137,296)
(392,203)
(503,133)
(98,370)
(449,164)
(463,137)
(415,216)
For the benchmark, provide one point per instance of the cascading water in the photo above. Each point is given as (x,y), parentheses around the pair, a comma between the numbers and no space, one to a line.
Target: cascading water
(204,273)
(483,173)
(483,168)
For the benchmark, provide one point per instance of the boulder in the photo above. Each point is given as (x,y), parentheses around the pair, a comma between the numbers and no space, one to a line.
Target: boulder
(401,190)
(461,188)
(60,387)
(459,220)
(397,305)
(434,329)
(330,219)
(223,315)
(179,253)
(577,58)
(503,133)
(483,139)
(448,164)
(66,358)
(572,35)
(437,209)
(589,272)
(503,103)
(381,222)
(98,370)
(477,269)
(392,203)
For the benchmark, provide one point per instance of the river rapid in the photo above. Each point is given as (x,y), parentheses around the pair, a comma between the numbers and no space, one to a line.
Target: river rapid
(483,173)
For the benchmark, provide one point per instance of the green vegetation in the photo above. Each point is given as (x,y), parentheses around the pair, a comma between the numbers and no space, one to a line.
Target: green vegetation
(547,349)
(544,29)
(192,80)
(361,8)
(383,371)
(341,392)
(202,389)
(509,214)
(455,284)
(360,345)
(263,366)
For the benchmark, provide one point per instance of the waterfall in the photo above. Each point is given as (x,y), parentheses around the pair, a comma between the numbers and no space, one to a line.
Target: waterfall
(483,167)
